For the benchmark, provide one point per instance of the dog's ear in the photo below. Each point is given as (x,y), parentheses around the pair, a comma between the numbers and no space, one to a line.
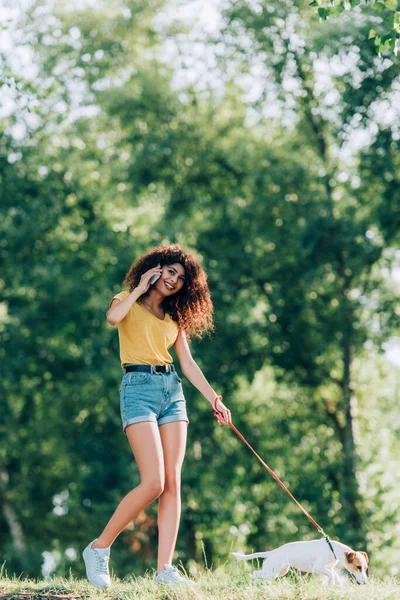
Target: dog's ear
(366,556)
(350,556)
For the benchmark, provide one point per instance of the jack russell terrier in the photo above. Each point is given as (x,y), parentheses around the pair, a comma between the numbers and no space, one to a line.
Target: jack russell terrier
(314,556)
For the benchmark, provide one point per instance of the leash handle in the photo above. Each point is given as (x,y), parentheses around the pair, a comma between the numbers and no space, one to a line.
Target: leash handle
(216,412)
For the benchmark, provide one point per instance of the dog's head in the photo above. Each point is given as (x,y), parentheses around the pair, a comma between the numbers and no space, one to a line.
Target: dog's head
(357,564)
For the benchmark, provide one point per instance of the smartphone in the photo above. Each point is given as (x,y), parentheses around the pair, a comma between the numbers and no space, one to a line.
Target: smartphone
(155,277)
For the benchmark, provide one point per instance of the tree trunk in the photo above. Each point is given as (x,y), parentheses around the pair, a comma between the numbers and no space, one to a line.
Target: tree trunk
(350,491)
(14,525)
(350,487)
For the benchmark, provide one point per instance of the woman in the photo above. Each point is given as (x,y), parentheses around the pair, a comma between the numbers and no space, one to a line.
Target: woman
(168,301)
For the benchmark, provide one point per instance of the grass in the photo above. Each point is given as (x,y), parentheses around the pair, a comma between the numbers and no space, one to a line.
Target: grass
(222,583)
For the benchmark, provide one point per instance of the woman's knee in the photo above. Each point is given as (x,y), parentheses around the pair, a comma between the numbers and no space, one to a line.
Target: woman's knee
(172,483)
(154,487)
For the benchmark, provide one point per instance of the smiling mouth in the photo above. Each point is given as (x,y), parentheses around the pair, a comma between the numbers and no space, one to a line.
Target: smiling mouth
(169,287)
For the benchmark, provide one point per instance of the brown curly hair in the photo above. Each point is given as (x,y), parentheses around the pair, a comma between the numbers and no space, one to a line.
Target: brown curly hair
(191,307)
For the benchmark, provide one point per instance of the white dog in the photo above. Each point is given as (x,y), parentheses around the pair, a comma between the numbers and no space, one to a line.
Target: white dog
(314,556)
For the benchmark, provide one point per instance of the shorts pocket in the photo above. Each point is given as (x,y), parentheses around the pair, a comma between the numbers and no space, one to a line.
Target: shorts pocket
(177,378)
(138,378)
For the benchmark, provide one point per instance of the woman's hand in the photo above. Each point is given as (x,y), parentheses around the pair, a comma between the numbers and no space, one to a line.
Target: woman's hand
(221,413)
(144,282)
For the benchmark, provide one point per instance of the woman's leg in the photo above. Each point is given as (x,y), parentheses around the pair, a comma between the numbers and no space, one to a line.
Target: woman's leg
(173,438)
(145,441)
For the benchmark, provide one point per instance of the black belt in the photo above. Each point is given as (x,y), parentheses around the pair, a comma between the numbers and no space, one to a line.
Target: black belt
(157,368)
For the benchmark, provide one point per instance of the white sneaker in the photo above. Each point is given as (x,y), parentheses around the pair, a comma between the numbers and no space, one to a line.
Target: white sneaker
(171,574)
(96,562)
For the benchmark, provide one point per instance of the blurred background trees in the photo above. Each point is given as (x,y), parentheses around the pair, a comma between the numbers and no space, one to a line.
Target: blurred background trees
(277,162)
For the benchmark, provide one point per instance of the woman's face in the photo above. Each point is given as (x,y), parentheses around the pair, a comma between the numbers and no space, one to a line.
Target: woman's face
(171,280)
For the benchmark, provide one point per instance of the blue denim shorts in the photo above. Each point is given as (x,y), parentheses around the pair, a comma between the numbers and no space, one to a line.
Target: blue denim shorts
(151,396)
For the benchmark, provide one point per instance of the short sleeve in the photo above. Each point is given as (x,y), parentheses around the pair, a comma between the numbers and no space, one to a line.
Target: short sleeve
(121,296)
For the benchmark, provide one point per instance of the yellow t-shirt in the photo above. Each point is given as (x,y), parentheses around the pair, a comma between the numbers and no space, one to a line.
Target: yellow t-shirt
(143,337)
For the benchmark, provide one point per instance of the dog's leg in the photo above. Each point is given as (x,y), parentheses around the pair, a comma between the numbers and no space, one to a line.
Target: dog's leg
(336,575)
(276,569)
(271,568)
(280,569)
(325,571)
(283,571)
(256,575)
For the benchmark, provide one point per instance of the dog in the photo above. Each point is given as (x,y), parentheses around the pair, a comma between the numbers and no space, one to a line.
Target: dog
(314,556)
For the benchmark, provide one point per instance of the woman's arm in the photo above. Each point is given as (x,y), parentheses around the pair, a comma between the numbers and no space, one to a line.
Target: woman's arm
(192,371)
(120,308)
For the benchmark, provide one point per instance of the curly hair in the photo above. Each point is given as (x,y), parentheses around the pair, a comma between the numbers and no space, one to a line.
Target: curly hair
(191,308)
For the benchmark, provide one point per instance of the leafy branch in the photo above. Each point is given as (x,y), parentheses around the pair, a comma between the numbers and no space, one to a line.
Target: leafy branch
(389,39)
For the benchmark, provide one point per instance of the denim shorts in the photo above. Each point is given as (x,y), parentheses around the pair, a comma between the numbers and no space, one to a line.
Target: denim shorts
(151,396)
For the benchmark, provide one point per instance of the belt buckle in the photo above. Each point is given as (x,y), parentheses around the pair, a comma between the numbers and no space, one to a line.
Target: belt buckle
(167,368)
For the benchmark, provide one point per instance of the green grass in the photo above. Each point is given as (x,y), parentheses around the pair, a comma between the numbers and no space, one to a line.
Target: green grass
(223,583)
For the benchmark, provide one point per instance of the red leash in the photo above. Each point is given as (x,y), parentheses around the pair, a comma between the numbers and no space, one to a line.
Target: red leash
(216,412)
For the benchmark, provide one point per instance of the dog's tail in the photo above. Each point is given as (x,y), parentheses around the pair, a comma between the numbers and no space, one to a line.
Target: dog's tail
(249,556)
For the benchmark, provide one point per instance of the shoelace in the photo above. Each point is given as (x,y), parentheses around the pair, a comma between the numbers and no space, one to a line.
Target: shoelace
(102,563)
